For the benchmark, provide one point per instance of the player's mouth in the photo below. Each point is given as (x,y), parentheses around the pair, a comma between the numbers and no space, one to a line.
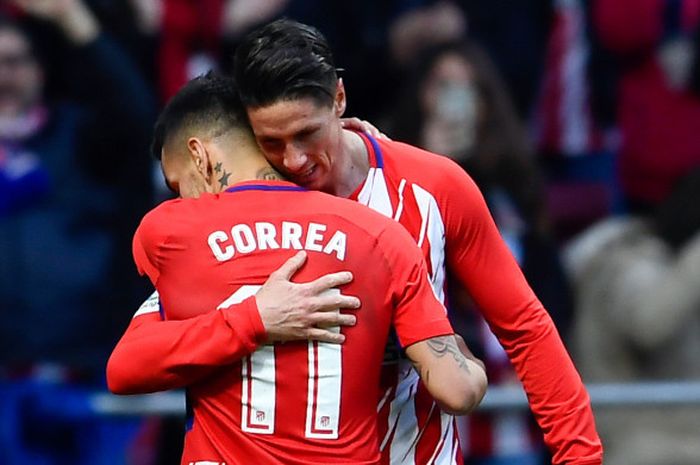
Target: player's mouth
(307,176)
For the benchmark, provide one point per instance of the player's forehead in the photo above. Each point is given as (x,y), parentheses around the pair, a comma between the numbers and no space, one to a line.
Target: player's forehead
(285,118)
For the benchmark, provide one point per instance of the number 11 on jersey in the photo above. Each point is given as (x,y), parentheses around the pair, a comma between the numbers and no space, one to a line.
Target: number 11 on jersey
(258,380)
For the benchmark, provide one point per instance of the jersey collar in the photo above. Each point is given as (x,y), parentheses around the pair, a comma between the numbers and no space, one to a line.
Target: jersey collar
(376,160)
(259,185)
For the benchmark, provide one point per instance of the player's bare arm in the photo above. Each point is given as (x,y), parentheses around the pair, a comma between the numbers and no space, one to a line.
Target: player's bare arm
(455,379)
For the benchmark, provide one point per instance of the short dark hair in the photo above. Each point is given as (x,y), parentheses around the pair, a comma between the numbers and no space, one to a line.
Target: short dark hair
(285,60)
(210,101)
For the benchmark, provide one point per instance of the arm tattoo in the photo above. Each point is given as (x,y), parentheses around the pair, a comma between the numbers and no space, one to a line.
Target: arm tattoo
(268,174)
(446,346)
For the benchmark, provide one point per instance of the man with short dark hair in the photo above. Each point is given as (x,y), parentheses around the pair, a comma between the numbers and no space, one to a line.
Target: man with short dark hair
(301,402)
(288,81)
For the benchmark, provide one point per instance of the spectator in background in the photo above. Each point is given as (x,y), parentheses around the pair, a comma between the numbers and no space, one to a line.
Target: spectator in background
(136,26)
(638,318)
(72,173)
(513,31)
(656,42)
(424,27)
(190,41)
(573,131)
(456,104)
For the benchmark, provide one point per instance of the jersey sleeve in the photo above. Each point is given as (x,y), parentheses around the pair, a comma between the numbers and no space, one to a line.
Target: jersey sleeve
(480,259)
(418,314)
(145,246)
(156,355)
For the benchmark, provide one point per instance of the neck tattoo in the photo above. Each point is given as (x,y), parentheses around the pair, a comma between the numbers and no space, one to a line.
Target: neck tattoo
(268,174)
(223,181)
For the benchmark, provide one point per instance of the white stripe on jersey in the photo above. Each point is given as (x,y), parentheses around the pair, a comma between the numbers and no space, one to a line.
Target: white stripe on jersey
(375,194)
(447,447)
(150,305)
(399,209)
(402,414)
(434,228)
(385,397)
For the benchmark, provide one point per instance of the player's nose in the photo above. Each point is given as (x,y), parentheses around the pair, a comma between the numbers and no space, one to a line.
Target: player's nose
(294,159)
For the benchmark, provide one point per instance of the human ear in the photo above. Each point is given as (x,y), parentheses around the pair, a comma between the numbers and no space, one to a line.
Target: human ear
(201,159)
(340,101)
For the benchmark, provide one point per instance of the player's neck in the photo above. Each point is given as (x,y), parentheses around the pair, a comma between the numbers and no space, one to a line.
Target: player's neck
(232,172)
(352,164)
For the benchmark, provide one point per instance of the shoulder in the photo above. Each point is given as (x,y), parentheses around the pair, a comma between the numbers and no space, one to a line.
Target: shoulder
(395,152)
(375,228)
(392,239)
(345,210)
(160,215)
(438,174)
(169,218)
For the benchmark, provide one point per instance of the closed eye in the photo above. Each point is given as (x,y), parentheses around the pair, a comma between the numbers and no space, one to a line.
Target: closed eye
(271,145)
(306,133)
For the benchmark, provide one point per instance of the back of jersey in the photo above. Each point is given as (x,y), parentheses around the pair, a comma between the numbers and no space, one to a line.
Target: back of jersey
(303,402)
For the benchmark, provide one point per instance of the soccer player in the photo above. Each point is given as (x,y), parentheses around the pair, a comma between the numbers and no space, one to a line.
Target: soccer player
(289,84)
(300,402)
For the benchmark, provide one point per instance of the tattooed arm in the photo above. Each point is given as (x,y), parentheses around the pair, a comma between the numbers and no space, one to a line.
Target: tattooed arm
(453,376)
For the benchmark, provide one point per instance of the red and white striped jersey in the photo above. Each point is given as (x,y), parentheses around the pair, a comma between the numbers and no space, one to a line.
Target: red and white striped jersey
(563,120)
(443,210)
(299,402)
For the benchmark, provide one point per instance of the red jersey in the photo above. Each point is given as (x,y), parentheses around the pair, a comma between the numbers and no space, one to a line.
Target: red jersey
(293,403)
(443,210)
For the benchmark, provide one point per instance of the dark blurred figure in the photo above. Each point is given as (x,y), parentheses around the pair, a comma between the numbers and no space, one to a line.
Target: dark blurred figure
(657,49)
(74,178)
(135,25)
(456,104)
(75,119)
(638,318)
(514,32)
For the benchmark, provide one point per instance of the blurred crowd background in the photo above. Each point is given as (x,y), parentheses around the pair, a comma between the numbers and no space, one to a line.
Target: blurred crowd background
(578,119)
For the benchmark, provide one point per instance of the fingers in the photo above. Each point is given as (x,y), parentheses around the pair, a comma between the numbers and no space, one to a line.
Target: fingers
(324,335)
(328,320)
(383,136)
(329,281)
(288,268)
(352,123)
(332,300)
(357,124)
